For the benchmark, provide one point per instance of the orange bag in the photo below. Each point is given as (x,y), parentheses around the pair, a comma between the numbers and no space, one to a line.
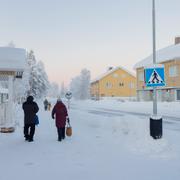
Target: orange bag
(68,130)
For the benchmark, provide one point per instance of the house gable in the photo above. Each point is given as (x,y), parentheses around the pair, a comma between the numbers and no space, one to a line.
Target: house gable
(117,82)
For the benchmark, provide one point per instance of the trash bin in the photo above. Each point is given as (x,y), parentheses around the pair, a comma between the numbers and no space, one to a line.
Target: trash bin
(156,127)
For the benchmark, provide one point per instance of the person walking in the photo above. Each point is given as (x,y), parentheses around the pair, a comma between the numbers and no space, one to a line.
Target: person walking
(46,104)
(30,109)
(59,112)
(49,106)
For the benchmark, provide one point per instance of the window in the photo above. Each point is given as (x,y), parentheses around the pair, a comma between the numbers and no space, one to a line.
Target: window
(108,85)
(123,75)
(115,75)
(173,71)
(131,85)
(121,84)
(141,76)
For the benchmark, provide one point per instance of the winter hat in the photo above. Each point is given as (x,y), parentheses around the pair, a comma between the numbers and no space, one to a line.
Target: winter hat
(59,99)
(30,98)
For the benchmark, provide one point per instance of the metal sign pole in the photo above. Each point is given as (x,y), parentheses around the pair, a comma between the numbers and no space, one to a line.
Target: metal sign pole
(154,56)
(68,103)
(68,95)
(155,121)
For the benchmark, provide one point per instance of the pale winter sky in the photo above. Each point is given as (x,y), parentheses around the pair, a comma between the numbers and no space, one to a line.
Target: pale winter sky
(68,35)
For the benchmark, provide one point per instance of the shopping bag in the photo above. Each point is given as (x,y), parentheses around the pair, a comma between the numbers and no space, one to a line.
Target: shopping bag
(68,130)
(36,119)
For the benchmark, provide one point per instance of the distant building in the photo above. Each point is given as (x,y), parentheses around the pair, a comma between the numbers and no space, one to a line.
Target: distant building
(116,82)
(170,57)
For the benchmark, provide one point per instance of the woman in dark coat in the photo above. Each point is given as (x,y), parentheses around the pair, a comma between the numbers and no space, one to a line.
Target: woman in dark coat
(60,114)
(30,109)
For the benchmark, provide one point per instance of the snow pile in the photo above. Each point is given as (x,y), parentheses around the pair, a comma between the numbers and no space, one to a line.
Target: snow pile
(140,141)
(12,59)
(169,53)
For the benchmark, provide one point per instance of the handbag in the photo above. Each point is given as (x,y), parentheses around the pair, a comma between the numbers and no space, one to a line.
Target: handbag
(36,120)
(68,130)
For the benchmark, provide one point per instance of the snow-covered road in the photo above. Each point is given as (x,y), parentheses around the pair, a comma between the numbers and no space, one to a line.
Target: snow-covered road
(102,147)
(169,121)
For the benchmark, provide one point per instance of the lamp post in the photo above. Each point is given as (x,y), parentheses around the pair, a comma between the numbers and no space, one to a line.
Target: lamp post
(155,121)
(154,56)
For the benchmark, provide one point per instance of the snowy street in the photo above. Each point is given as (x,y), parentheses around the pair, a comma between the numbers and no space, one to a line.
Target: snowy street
(90,90)
(105,145)
(171,121)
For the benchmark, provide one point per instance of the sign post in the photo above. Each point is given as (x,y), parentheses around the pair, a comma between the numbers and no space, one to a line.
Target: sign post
(154,77)
(154,55)
(68,96)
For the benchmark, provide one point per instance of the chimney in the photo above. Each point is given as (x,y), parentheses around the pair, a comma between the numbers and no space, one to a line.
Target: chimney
(177,40)
(109,68)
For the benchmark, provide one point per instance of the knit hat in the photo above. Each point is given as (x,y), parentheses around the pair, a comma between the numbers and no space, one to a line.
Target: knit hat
(59,99)
(30,98)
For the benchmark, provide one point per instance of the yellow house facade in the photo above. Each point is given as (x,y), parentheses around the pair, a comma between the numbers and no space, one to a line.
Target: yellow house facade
(116,82)
(170,58)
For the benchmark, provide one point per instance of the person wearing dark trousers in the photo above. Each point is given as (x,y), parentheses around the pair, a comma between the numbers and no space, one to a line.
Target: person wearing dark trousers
(46,104)
(61,133)
(29,130)
(30,109)
(59,113)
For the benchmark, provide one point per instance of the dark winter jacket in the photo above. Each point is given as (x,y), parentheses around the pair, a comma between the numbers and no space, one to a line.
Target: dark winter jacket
(60,113)
(45,102)
(30,109)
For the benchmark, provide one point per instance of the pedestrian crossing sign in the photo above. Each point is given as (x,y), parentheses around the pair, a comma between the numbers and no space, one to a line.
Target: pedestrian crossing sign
(154,76)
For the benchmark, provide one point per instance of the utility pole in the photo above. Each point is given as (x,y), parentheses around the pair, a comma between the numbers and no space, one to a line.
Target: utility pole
(155,121)
(154,55)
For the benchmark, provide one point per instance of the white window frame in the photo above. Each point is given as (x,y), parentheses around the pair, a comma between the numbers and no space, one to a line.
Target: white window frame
(108,85)
(141,76)
(115,75)
(123,75)
(173,71)
(131,85)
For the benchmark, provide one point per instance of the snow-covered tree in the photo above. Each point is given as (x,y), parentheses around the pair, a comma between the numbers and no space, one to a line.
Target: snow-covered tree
(21,86)
(75,87)
(62,93)
(11,44)
(38,79)
(34,80)
(54,91)
(85,84)
(80,85)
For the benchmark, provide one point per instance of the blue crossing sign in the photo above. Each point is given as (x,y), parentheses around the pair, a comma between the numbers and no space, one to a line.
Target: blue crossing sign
(154,76)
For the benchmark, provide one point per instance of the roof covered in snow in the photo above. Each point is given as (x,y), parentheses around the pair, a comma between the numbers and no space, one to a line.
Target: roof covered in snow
(12,59)
(169,53)
(109,72)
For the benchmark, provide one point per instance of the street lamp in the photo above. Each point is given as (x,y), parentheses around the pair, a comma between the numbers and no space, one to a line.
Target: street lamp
(155,121)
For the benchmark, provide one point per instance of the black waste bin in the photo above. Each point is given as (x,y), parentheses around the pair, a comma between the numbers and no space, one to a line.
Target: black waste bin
(156,127)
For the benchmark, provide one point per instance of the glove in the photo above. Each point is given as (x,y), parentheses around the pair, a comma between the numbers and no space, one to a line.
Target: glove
(67,119)
(53,117)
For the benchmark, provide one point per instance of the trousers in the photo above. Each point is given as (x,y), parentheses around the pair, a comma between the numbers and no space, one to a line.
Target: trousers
(61,133)
(29,130)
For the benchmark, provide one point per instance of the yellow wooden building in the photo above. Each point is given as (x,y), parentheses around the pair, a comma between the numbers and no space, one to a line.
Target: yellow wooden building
(116,82)
(170,58)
